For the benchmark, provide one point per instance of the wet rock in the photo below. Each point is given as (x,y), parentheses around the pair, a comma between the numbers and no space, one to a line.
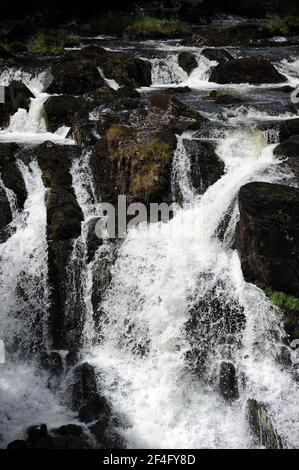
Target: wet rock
(74,77)
(66,437)
(106,435)
(291,324)
(5,215)
(60,111)
(10,173)
(52,362)
(290,149)
(16,96)
(288,128)
(205,166)
(86,399)
(228,384)
(223,97)
(179,89)
(255,70)
(244,34)
(64,217)
(218,55)
(101,278)
(262,426)
(123,67)
(267,235)
(187,61)
(187,117)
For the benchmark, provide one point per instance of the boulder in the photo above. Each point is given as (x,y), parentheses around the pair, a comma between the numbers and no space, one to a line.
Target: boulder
(5,214)
(243,34)
(10,173)
(16,96)
(205,166)
(66,437)
(60,111)
(288,128)
(123,67)
(223,97)
(254,70)
(267,235)
(86,399)
(228,385)
(187,61)
(73,76)
(218,55)
(262,427)
(290,149)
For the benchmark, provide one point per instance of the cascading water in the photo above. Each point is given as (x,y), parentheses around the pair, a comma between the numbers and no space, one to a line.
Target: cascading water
(177,306)
(167,71)
(23,320)
(163,277)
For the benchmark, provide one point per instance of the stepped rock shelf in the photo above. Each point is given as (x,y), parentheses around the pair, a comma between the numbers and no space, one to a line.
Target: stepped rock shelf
(179,334)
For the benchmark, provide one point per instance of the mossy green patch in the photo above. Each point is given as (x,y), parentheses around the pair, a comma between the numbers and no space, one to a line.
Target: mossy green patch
(283,301)
(148,27)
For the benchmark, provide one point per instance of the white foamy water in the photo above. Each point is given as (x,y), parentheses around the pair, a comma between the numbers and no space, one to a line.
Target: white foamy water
(24,395)
(29,127)
(158,279)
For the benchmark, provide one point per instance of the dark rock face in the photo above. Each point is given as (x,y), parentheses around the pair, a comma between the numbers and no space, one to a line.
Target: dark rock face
(17,96)
(290,148)
(66,437)
(218,55)
(187,61)
(288,128)
(267,235)
(124,68)
(5,214)
(255,70)
(222,97)
(60,111)
(64,218)
(10,174)
(206,167)
(74,77)
(92,406)
(245,34)
(262,426)
(77,72)
(228,385)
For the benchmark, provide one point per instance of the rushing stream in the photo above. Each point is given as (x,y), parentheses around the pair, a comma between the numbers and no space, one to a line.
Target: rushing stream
(163,275)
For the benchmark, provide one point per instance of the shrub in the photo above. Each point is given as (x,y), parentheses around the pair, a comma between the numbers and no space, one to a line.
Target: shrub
(283,301)
(148,27)
(47,42)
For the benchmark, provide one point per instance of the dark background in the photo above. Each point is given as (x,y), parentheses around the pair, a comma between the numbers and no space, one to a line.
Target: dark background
(84,9)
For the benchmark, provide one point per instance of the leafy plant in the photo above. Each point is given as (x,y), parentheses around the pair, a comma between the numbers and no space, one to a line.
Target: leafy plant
(47,42)
(156,27)
(283,301)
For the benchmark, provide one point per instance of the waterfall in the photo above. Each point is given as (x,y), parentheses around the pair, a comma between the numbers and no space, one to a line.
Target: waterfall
(29,126)
(166,71)
(159,281)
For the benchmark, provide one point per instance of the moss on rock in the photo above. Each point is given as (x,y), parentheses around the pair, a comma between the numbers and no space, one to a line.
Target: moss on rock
(262,426)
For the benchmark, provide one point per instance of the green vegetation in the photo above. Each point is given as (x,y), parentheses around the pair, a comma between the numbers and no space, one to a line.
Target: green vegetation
(283,301)
(147,27)
(51,41)
(283,25)
(111,24)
